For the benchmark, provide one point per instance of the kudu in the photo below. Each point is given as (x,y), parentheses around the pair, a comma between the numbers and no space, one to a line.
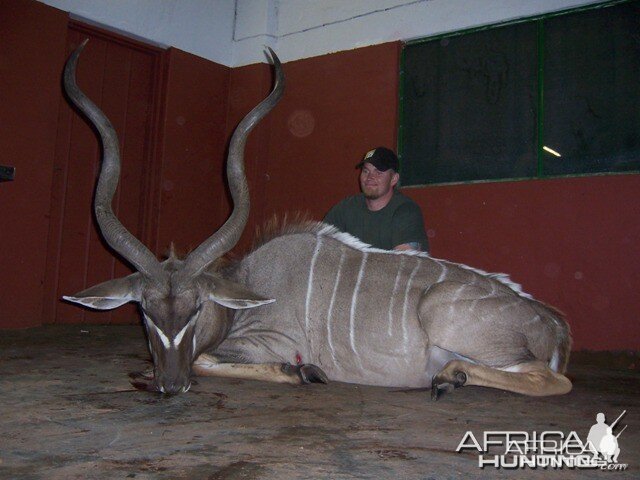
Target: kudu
(312,304)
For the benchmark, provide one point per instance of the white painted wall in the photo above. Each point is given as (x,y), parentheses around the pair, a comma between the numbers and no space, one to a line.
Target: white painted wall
(201,27)
(234,32)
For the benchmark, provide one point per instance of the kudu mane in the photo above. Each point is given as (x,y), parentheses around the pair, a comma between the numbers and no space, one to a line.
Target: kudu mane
(301,223)
(281,225)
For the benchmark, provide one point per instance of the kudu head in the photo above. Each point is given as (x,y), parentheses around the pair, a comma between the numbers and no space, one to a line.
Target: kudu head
(171,294)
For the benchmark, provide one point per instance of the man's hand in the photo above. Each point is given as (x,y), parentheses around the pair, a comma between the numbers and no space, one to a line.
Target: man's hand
(408,246)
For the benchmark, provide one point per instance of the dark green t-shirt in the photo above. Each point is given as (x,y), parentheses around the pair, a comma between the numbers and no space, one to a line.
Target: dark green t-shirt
(399,222)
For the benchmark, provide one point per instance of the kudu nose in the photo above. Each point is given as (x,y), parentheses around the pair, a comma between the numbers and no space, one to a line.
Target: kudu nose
(174,387)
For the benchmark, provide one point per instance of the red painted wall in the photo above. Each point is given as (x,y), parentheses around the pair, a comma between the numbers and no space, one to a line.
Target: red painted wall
(32,34)
(192,197)
(122,77)
(572,243)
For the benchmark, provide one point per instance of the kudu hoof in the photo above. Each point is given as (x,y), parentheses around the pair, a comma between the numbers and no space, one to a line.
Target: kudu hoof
(307,373)
(440,384)
(311,374)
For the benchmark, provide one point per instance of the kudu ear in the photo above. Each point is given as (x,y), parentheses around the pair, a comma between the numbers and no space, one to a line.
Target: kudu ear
(110,294)
(230,294)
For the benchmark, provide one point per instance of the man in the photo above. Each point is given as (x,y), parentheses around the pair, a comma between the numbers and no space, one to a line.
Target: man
(596,433)
(380,216)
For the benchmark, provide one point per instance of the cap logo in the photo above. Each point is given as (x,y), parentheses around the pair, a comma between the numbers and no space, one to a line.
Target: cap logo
(370,154)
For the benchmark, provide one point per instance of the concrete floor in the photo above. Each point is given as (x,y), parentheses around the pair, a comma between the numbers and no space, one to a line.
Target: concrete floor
(67,411)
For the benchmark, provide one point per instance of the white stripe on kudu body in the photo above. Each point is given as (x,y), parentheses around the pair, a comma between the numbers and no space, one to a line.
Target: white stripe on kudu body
(354,302)
(316,251)
(393,296)
(405,306)
(331,303)
(443,273)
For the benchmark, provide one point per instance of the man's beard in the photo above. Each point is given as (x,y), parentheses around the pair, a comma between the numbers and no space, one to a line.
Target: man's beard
(371,196)
(371,193)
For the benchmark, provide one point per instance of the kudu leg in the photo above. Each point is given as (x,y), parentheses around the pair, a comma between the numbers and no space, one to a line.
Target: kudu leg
(532,378)
(208,365)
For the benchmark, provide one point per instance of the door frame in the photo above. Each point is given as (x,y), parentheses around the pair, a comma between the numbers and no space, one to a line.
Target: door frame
(151,164)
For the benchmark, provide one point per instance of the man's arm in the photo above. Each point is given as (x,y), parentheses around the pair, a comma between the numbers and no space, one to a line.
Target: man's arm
(408,228)
(334,217)
(409,246)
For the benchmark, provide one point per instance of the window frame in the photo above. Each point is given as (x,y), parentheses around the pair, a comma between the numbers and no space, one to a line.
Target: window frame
(540,49)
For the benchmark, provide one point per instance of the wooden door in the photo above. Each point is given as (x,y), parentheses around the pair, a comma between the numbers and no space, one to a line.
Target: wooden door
(124,79)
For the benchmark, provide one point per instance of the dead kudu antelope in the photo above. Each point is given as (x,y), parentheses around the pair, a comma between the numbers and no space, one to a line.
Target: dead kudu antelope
(311,303)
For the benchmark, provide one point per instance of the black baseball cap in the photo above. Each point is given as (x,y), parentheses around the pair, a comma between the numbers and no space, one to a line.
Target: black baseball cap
(382,158)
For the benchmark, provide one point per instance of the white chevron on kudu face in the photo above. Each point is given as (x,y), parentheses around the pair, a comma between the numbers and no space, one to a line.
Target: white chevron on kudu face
(178,338)
(167,343)
(159,333)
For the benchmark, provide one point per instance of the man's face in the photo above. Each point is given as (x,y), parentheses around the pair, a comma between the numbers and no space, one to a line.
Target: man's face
(376,184)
